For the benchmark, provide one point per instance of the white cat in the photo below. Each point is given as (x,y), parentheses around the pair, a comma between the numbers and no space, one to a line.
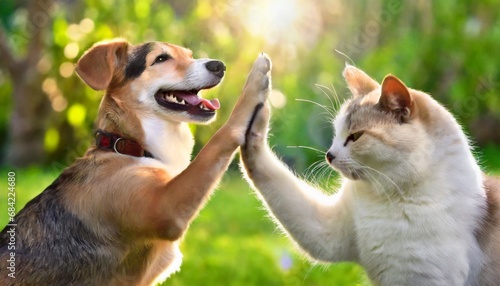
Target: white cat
(412,209)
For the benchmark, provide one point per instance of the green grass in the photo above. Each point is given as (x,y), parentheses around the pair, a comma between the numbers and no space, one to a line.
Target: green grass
(29,183)
(233,241)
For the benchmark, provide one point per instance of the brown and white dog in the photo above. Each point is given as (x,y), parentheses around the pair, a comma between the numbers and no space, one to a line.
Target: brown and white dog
(116,215)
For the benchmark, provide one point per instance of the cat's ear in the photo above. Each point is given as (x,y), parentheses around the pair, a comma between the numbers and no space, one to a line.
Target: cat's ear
(396,98)
(358,81)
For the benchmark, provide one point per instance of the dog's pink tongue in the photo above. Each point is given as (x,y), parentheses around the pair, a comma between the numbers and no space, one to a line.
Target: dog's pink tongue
(193,99)
(212,104)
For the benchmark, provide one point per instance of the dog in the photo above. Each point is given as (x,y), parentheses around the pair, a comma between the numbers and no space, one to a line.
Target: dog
(116,215)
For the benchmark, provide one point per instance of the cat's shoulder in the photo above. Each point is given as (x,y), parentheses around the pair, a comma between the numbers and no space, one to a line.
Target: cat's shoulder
(488,234)
(492,188)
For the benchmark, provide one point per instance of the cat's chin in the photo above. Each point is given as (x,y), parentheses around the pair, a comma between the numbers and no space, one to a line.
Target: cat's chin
(352,175)
(349,174)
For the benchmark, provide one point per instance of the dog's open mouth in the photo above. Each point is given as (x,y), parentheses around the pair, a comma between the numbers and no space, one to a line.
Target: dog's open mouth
(187,100)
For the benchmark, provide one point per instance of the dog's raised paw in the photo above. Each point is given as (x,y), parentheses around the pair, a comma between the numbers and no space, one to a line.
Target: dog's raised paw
(253,98)
(263,63)
(259,81)
(261,67)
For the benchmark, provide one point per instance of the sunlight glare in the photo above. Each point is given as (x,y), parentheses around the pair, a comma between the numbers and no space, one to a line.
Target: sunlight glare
(282,13)
(280,21)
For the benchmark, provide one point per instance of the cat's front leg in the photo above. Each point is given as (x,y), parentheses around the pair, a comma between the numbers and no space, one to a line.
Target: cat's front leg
(321,225)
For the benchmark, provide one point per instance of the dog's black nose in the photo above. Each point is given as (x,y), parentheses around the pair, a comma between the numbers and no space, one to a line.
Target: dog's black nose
(329,157)
(216,67)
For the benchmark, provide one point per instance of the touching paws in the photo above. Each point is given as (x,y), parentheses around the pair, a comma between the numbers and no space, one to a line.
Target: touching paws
(258,84)
(257,128)
(254,97)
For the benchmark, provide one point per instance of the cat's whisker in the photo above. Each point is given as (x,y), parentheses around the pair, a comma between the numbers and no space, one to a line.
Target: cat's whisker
(369,170)
(336,100)
(355,194)
(336,96)
(327,117)
(346,56)
(310,171)
(326,108)
(320,172)
(324,90)
(325,172)
(306,147)
(364,166)
(377,185)
(354,166)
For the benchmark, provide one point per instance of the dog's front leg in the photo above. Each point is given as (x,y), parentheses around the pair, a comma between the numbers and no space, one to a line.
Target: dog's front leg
(184,195)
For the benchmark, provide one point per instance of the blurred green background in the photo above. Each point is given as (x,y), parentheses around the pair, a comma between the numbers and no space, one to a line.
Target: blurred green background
(447,48)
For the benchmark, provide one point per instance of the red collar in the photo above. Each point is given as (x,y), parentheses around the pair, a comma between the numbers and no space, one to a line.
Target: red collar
(120,145)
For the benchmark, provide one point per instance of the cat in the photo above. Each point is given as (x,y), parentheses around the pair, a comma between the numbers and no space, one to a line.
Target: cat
(412,209)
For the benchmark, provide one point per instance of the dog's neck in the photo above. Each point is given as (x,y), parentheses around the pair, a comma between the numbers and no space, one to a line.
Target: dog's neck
(170,142)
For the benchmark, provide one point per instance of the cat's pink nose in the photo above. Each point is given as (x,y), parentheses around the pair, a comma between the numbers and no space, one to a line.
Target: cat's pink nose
(329,157)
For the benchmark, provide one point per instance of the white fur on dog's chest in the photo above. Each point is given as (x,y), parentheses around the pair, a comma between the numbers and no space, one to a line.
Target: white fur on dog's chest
(171,143)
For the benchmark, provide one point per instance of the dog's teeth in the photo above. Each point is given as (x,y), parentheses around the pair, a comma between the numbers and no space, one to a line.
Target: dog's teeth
(170,98)
(183,102)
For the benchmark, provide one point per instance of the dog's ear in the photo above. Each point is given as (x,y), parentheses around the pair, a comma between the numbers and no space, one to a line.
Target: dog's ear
(97,66)
(358,81)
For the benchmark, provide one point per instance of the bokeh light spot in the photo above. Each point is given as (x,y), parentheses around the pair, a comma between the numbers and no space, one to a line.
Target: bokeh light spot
(66,69)
(71,50)
(86,25)
(51,140)
(76,115)
(277,99)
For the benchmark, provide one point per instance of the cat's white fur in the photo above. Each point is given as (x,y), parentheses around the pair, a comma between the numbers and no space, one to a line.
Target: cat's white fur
(409,207)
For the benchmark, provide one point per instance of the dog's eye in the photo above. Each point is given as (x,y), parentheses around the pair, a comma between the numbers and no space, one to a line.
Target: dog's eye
(161,58)
(354,137)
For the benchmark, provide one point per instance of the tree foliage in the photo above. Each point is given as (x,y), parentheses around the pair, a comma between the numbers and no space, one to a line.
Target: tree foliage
(440,47)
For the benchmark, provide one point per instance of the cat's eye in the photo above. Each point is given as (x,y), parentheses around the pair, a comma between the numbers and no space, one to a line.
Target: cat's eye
(161,58)
(353,137)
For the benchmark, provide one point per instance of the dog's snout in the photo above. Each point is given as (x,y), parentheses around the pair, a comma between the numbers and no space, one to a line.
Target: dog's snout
(330,157)
(216,67)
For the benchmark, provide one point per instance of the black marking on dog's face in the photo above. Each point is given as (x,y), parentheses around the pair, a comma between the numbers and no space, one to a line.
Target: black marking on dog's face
(137,61)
